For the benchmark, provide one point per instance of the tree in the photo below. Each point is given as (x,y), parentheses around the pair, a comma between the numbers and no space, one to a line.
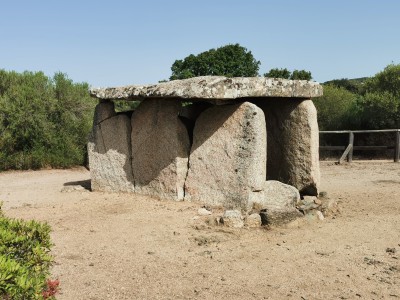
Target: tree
(301,75)
(352,85)
(386,81)
(230,60)
(43,121)
(278,73)
(337,109)
(286,74)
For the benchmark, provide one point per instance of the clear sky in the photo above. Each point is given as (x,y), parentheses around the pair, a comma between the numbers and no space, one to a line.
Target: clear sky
(119,42)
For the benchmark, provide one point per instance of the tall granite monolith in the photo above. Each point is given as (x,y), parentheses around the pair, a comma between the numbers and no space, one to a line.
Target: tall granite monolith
(109,153)
(293,143)
(228,156)
(160,149)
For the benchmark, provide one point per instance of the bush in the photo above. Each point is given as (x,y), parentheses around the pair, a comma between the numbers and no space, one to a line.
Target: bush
(337,109)
(380,110)
(25,260)
(43,121)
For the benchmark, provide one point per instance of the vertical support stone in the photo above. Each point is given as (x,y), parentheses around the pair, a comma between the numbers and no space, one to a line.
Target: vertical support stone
(160,149)
(228,156)
(293,142)
(109,151)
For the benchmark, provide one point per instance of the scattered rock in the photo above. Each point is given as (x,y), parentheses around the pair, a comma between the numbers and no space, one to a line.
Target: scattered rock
(309,199)
(307,207)
(277,195)
(323,195)
(203,212)
(253,220)
(232,218)
(279,217)
(317,201)
(320,215)
(73,188)
(391,250)
(329,207)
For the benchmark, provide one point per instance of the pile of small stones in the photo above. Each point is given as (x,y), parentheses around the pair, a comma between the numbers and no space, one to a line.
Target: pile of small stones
(310,208)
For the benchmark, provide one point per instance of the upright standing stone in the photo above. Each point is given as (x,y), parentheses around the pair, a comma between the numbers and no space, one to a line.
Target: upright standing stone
(110,155)
(103,111)
(160,149)
(293,142)
(228,156)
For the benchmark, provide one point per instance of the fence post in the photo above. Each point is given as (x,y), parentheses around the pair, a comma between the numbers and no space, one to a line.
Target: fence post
(351,142)
(397,147)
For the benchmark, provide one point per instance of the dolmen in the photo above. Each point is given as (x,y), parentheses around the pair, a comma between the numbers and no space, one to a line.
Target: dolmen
(239,143)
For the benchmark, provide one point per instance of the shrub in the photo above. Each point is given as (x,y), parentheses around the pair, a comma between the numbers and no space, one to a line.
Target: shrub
(43,121)
(25,260)
(337,109)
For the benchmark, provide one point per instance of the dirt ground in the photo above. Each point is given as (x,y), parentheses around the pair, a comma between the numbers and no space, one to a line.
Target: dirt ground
(117,246)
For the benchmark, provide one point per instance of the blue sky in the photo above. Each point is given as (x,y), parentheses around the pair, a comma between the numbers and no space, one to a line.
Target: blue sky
(109,43)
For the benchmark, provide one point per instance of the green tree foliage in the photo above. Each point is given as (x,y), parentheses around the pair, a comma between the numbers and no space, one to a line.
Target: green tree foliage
(301,75)
(337,108)
(379,110)
(230,60)
(381,102)
(362,103)
(43,121)
(352,85)
(386,81)
(286,74)
(278,73)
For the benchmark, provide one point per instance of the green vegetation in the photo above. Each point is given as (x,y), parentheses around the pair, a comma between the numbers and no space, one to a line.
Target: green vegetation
(363,103)
(286,74)
(25,260)
(229,60)
(43,121)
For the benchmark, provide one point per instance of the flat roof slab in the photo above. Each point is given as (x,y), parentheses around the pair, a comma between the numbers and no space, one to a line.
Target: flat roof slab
(214,88)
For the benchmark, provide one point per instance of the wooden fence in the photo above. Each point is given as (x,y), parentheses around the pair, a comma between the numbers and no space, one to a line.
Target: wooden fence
(348,150)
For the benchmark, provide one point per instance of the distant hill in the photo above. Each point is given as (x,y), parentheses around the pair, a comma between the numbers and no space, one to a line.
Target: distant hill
(354,85)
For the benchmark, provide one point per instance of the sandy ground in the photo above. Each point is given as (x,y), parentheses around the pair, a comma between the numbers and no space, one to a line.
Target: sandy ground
(110,246)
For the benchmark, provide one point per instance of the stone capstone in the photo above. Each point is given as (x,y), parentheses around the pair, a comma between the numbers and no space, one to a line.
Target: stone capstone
(160,149)
(228,156)
(109,154)
(214,87)
(293,143)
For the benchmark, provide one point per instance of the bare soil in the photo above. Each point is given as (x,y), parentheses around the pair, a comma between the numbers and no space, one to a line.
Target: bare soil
(119,246)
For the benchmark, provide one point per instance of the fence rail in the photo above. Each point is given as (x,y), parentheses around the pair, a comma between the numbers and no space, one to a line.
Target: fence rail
(348,150)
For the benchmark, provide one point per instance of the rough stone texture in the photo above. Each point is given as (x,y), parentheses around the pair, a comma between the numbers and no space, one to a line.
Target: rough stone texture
(232,218)
(110,155)
(214,87)
(103,111)
(253,221)
(293,141)
(227,160)
(160,149)
(277,195)
(203,212)
(279,217)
